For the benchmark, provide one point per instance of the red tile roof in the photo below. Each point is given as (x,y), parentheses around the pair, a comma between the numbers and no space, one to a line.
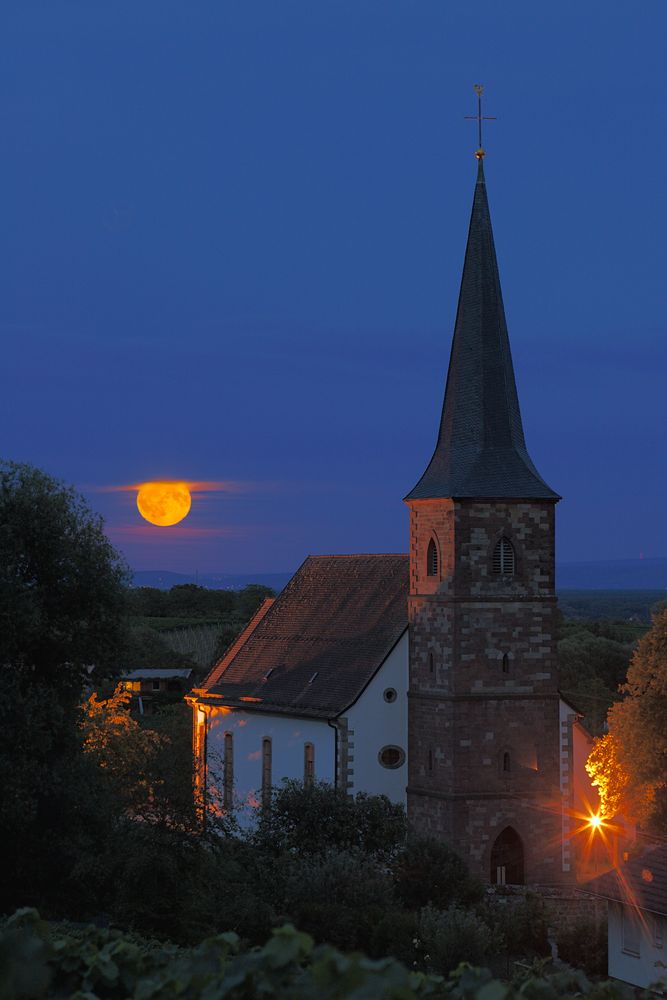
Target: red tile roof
(641,881)
(313,651)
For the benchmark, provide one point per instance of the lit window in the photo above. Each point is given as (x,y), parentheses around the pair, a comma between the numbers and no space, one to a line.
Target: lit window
(228,773)
(432,559)
(308,764)
(503,558)
(266,771)
(391,757)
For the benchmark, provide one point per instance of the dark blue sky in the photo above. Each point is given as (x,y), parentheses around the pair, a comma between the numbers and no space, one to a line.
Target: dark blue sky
(231,241)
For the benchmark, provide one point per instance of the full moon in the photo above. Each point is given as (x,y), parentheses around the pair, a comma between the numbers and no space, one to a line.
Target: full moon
(164,503)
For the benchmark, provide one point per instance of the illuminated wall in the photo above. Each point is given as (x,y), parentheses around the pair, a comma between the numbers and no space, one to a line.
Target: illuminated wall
(288,736)
(377,723)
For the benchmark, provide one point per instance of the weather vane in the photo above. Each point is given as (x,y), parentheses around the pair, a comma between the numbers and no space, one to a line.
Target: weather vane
(479,118)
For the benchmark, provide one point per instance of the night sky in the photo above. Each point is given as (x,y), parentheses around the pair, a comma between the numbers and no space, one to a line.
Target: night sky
(231,241)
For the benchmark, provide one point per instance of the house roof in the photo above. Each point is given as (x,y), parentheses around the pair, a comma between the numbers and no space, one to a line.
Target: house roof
(315,648)
(641,881)
(155,673)
(481,451)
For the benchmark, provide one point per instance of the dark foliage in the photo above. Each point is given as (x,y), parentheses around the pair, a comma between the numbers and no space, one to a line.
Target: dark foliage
(39,961)
(312,820)
(190,601)
(427,871)
(584,945)
(61,606)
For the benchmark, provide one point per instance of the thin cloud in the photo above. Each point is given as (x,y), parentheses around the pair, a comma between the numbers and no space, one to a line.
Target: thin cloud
(173,533)
(195,486)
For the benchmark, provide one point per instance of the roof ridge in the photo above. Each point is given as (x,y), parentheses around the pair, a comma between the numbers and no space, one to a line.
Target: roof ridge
(360,555)
(218,668)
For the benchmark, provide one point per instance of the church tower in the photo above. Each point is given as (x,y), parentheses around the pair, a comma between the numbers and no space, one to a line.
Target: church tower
(484,764)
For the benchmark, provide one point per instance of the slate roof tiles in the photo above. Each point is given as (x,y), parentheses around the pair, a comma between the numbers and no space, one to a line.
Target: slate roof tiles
(315,648)
(481,451)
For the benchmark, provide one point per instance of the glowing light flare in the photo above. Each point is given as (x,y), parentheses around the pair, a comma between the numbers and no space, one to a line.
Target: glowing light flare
(595,821)
(164,504)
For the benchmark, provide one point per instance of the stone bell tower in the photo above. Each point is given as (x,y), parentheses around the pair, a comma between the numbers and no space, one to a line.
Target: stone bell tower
(483,696)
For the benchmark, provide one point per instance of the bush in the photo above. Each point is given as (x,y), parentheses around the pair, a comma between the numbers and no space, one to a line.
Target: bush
(449,937)
(312,820)
(584,944)
(347,877)
(522,923)
(38,961)
(395,934)
(427,872)
(338,897)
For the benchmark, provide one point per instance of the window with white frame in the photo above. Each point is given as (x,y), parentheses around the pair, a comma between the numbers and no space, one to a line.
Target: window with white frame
(630,930)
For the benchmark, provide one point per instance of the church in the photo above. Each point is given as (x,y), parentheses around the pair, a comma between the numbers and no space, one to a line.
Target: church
(430,677)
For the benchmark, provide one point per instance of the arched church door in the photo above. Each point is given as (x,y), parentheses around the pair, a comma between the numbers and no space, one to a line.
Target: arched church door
(507,858)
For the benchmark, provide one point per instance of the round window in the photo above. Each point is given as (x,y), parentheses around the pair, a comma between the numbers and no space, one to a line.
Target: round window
(390,694)
(391,757)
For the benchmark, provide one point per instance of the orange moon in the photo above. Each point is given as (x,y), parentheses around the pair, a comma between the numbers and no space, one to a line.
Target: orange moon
(164,503)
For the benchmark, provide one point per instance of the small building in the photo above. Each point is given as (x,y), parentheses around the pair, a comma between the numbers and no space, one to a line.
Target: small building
(150,685)
(636,894)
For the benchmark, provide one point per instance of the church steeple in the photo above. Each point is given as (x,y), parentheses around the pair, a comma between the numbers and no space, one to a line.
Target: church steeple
(481,451)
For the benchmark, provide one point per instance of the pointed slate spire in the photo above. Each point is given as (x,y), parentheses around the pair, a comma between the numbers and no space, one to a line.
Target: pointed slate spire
(481,451)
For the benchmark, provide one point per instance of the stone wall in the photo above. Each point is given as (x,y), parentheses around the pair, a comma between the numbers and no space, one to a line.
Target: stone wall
(484,731)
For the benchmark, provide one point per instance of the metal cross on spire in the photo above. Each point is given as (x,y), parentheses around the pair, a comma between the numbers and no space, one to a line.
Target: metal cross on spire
(479,118)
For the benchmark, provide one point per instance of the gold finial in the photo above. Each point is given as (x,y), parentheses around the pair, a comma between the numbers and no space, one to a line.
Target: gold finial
(480,152)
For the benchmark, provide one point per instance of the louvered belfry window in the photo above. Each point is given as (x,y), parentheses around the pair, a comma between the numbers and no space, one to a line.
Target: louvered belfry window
(503,557)
(432,559)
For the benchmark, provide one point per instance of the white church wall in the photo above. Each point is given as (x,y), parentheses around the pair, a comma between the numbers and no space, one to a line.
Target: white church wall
(377,723)
(288,737)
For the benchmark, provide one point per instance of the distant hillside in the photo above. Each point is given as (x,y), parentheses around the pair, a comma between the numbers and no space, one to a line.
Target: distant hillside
(613,574)
(165,580)
(607,574)
(620,605)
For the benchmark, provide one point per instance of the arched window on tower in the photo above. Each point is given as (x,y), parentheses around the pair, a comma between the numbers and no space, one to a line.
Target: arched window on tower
(432,559)
(506,663)
(507,762)
(503,557)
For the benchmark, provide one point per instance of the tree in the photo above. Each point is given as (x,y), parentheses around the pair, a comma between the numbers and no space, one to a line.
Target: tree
(303,820)
(426,871)
(638,730)
(61,583)
(61,613)
(123,750)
